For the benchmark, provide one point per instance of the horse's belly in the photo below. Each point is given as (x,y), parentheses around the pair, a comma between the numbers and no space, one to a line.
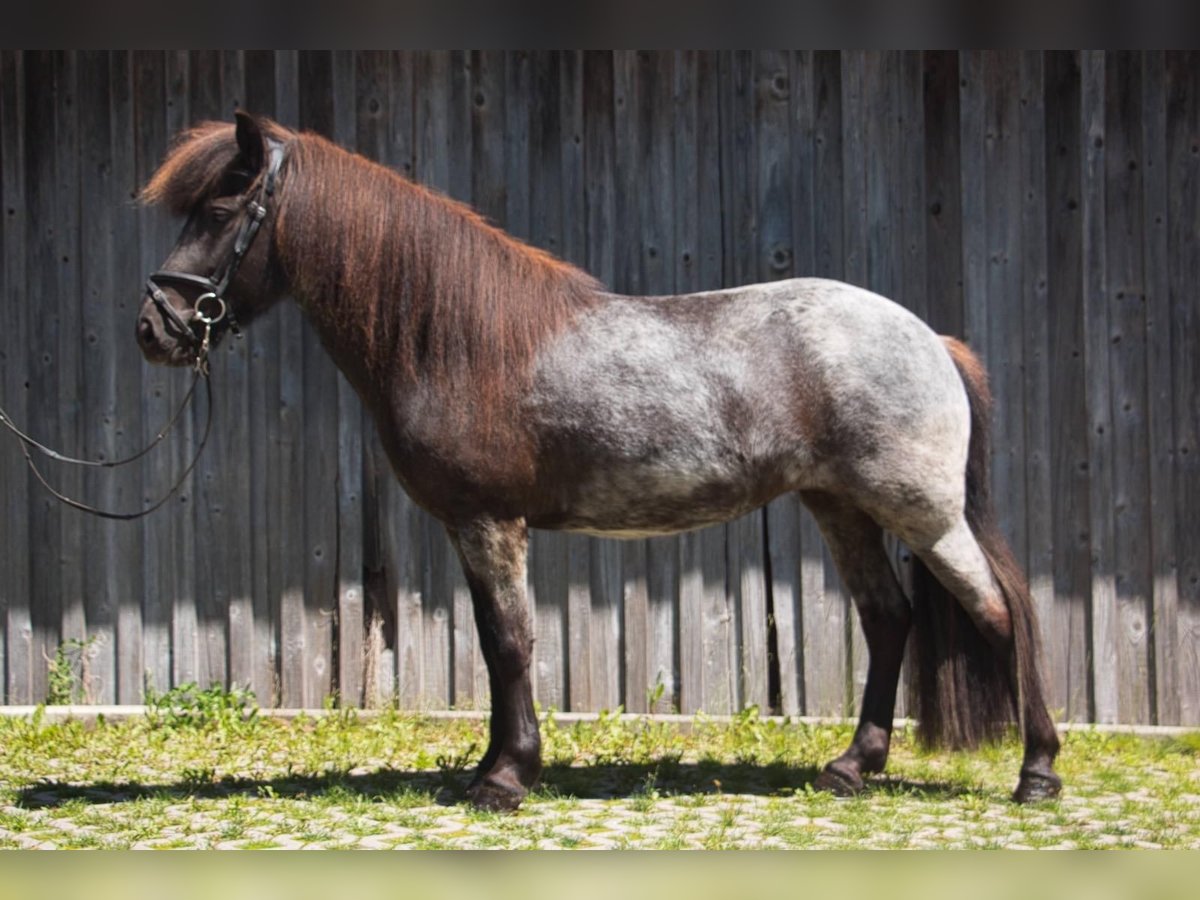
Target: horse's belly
(643,501)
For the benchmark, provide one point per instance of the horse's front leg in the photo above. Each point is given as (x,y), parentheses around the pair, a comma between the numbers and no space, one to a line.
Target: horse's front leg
(493,557)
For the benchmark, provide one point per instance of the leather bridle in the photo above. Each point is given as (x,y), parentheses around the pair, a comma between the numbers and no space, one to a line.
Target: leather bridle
(211,308)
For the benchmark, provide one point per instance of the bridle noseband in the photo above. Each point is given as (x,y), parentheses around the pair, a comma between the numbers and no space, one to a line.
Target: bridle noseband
(211,308)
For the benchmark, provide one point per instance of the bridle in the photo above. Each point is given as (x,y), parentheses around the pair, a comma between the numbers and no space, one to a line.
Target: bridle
(212,310)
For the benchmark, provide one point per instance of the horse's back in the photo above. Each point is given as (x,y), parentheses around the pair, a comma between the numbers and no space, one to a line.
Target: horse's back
(660,413)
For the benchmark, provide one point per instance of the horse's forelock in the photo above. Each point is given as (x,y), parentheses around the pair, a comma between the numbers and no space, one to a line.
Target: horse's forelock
(195,166)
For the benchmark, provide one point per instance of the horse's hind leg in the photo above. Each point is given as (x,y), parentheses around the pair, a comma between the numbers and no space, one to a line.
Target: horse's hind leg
(987,582)
(856,542)
(493,557)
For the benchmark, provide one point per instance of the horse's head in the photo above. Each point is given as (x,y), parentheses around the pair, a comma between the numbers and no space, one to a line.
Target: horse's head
(221,273)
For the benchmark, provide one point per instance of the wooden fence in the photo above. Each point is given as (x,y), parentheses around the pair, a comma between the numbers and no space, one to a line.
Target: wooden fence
(1044,206)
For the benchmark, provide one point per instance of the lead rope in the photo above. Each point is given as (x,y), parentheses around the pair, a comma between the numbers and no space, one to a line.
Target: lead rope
(201,371)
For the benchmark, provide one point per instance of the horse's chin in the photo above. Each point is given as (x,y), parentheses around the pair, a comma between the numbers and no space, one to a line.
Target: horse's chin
(174,356)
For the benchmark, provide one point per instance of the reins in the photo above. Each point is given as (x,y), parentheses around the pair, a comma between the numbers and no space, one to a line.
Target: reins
(209,309)
(29,444)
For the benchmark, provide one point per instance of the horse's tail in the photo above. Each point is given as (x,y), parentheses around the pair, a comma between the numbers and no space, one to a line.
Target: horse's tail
(967,690)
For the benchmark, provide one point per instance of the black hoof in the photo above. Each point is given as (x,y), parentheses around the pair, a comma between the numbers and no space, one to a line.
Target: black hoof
(1036,786)
(839,782)
(493,797)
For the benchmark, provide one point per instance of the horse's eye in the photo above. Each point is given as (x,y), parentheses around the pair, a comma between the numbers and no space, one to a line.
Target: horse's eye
(219,213)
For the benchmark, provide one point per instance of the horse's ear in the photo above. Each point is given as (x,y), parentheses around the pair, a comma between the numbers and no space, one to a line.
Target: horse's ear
(250,140)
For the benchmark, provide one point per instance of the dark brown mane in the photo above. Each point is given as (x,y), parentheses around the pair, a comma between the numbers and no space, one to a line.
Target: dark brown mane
(415,279)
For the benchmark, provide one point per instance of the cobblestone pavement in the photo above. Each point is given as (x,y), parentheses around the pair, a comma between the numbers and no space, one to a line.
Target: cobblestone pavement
(616,786)
(884,818)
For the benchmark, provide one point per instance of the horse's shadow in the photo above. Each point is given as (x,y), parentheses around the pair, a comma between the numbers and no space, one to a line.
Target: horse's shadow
(445,787)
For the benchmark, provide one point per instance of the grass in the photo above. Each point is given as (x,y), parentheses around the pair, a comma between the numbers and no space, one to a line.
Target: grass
(203,770)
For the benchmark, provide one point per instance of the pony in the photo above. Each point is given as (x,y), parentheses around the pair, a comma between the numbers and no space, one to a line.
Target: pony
(512,391)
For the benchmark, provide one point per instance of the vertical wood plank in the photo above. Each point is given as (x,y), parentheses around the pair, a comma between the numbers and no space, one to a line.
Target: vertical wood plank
(1097,334)
(236,586)
(1066,638)
(1183,161)
(127,648)
(1004,352)
(823,606)
(746,546)
(467,659)
(262,379)
(214,512)
(579,646)
(1156,261)
(14,366)
(81,539)
(856,269)
(1125,299)
(178,547)
(290,504)
(548,563)
(403,525)
(655,89)
(431,137)
(635,607)
(350,631)
(320,433)
(1035,276)
(605,582)
(38,622)
(776,151)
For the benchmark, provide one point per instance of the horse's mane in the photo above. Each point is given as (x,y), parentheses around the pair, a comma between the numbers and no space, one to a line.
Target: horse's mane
(413,278)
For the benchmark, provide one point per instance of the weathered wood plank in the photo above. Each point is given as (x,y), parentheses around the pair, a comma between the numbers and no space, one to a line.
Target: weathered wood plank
(627,278)
(320,433)
(402,520)
(1159,392)
(1037,388)
(38,623)
(685,193)
(856,249)
(773,87)
(214,510)
(746,545)
(14,365)
(1125,299)
(1066,638)
(823,605)
(1183,161)
(1097,333)
(129,663)
(1002,285)
(605,581)
(655,104)
(289,505)
(431,136)
(81,539)
(262,380)
(178,547)
(351,630)
(548,557)
(571,110)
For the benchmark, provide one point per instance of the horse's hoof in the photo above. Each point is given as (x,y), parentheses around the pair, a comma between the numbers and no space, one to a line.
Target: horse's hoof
(1036,786)
(839,782)
(492,797)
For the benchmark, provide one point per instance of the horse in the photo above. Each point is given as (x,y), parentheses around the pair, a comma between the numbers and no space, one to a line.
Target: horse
(512,391)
